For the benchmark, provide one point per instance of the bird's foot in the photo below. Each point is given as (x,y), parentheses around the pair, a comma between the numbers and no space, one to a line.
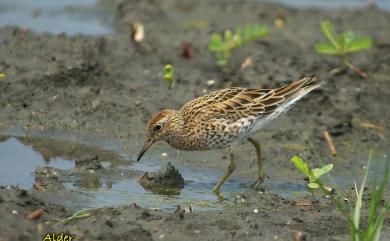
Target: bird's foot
(259,184)
(218,194)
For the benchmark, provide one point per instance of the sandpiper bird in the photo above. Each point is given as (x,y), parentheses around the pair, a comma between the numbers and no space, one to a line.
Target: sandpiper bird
(224,118)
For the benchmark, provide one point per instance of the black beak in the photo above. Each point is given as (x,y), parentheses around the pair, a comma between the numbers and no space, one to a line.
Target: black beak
(148,143)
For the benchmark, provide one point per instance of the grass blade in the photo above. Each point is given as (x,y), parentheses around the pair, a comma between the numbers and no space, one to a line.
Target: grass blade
(79,214)
(376,231)
(373,201)
(359,201)
(373,231)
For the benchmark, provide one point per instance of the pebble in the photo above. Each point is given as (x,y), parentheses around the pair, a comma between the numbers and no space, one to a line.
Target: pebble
(298,236)
(210,82)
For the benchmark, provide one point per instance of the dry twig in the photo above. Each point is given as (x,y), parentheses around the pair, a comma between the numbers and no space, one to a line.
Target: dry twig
(329,140)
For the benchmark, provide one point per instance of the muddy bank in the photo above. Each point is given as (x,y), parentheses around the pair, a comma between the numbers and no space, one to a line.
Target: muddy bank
(108,87)
(256,216)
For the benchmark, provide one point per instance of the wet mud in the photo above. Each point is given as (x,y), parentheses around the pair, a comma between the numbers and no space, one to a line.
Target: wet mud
(95,88)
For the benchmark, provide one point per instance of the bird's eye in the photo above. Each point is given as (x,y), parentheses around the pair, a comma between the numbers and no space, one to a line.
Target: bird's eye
(157,127)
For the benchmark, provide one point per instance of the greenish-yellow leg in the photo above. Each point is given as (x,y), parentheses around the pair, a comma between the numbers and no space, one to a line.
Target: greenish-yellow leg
(261,173)
(228,172)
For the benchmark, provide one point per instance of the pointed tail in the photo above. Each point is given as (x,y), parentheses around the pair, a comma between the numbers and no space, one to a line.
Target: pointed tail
(298,88)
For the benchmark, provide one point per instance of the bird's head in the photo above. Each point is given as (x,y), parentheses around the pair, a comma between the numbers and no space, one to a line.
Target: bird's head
(161,127)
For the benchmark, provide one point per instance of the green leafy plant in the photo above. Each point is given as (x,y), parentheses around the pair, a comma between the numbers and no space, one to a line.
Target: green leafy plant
(342,45)
(223,45)
(168,76)
(79,214)
(376,210)
(314,174)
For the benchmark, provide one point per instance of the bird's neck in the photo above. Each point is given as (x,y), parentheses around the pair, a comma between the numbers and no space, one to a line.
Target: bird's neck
(179,136)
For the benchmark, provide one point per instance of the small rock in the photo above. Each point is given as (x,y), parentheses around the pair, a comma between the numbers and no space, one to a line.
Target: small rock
(96,103)
(54,98)
(37,185)
(299,236)
(145,214)
(303,202)
(109,223)
(137,32)
(188,210)
(247,62)
(179,212)
(186,50)
(341,128)
(210,82)
(134,205)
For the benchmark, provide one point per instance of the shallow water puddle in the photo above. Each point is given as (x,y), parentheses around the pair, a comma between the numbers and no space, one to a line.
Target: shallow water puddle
(18,163)
(26,160)
(334,4)
(93,17)
(116,183)
(71,17)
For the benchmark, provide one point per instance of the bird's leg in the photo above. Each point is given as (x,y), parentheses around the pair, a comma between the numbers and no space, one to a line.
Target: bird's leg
(228,172)
(261,173)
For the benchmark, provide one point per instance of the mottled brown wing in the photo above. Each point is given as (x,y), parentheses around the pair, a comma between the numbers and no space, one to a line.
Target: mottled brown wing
(237,103)
(230,103)
(203,104)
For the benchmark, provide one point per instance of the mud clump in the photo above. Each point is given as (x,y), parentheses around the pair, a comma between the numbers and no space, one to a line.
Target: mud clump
(49,178)
(88,163)
(168,182)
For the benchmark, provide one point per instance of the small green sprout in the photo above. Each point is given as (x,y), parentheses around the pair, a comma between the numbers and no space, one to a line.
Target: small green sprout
(343,44)
(223,45)
(168,76)
(314,174)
